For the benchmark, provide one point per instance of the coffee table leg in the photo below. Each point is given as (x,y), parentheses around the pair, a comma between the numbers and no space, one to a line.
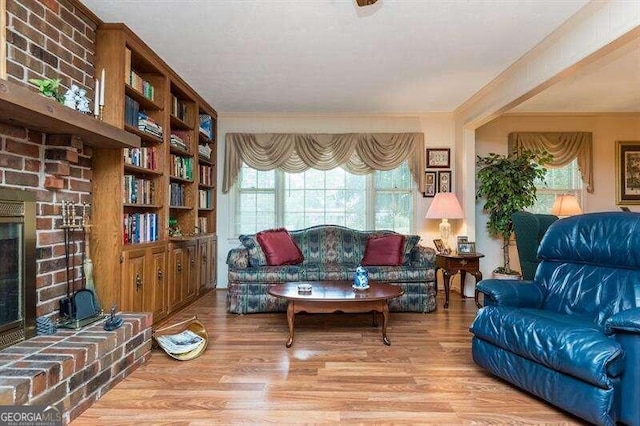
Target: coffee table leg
(290,313)
(375,318)
(385,319)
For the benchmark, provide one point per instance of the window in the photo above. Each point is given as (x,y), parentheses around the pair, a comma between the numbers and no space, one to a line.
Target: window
(558,181)
(381,200)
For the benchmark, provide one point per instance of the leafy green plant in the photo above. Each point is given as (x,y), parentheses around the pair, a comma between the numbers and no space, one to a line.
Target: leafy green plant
(48,88)
(507,183)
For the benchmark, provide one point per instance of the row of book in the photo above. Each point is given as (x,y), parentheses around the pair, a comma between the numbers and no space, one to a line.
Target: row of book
(131,110)
(204,151)
(137,190)
(140,228)
(204,198)
(141,157)
(148,125)
(202,225)
(179,108)
(181,167)
(206,125)
(180,139)
(177,198)
(141,85)
(206,175)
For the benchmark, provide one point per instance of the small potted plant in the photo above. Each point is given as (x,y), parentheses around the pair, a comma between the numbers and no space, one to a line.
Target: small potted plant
(48,88)
(507,183)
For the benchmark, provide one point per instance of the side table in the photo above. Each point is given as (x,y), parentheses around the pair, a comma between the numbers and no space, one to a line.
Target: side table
(452,264)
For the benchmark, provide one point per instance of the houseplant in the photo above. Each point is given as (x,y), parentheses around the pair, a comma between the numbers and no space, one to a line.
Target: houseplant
(507,183)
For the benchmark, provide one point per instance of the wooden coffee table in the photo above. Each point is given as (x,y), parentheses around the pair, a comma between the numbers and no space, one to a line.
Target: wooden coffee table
(336,296)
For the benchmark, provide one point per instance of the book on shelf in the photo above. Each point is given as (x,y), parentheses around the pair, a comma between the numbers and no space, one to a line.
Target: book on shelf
(204,151)
(206,125)
(137,190)
(206,175)
(148,125)
(127,65)
(179,108)
(202,225)
(141,157)
(139,228)
(131,111)
(204,196)
(180,139)
(176,191)
(181,167)
(141,85)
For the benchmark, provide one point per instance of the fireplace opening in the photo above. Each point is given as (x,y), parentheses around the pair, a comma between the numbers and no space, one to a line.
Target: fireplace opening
(17,266)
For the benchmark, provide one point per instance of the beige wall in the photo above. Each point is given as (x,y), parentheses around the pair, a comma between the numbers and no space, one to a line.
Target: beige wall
(437,129)
(606,128)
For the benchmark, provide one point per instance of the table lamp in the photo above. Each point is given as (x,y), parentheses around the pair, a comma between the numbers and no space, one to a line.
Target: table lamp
(566,205)
(445,206)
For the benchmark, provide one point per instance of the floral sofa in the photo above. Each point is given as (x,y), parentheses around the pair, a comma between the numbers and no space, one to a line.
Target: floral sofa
(330,253)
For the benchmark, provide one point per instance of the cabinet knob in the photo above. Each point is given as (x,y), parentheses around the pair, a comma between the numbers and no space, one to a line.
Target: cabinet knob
(138,282)
(204,259)
(159,274)
(193,261)
(179,267)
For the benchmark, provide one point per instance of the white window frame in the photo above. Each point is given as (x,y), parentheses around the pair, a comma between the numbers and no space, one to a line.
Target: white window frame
(577,190)
(279,195)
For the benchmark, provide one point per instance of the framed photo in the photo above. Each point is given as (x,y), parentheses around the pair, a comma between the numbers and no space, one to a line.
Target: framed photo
(438,158)
(462,239)
(444,181)
(467,248)
(429,184)
(628,172)
(440,246)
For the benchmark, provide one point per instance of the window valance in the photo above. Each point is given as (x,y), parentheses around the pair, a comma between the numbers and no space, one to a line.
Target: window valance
(563,146)
(358,153)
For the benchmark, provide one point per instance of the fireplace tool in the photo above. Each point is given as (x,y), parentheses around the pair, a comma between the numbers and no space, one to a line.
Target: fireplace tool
(81,306)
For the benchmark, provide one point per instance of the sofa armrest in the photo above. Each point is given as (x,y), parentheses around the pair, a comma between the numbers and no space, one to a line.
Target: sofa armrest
(628,320)
(238,258)
(517,293)
(423,257)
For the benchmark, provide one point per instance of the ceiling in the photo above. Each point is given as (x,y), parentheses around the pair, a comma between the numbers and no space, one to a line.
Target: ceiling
(610,84)
(330,56)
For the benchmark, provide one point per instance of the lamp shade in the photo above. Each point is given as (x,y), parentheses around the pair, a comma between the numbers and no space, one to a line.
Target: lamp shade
(445,205)
(566,205)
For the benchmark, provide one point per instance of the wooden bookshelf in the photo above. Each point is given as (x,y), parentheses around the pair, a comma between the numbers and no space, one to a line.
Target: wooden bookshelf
(156,269)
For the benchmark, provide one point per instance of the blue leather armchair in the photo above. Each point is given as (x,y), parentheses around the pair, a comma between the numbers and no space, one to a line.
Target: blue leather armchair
(572,335)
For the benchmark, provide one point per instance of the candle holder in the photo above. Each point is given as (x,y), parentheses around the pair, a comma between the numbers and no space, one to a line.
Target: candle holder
(100,113)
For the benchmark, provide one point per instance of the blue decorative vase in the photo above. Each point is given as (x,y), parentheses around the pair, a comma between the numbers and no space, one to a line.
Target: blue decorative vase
(361,279)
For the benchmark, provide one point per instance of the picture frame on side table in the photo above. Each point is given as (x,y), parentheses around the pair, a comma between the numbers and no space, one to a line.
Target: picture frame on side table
(467,248)
(444,181)
(628,172)
(440,248)
(429,184)
(438,158)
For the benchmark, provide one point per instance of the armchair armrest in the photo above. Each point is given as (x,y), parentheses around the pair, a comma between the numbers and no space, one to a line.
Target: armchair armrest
(423,257)
(238,258)
(628,320)
(517,293)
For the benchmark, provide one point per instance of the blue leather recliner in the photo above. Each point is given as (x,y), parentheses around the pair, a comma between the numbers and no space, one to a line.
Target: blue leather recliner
(572,335)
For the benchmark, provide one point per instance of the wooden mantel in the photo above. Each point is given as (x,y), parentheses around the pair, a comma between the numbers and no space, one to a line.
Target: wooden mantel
(23,107)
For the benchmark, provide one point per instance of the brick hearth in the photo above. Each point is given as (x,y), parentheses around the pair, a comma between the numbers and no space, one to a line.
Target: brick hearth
(73,368)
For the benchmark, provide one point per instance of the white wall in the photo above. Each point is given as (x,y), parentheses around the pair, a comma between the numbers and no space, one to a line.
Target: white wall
(606,128)
(437,129)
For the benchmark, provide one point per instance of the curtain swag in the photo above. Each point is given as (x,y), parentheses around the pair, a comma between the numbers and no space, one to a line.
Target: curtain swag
(563,146)
(358,153)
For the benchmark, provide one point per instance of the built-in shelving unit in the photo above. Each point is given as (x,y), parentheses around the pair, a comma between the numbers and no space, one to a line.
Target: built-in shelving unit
(149,198)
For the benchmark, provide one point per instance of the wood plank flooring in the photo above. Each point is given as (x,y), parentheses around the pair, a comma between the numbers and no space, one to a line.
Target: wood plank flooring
(337,371)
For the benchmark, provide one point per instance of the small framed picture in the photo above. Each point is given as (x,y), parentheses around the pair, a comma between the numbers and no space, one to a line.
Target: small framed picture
(467,248)
(444,181)
(438,158)
(440,246)
(429,184)
(628,172)
(462,239)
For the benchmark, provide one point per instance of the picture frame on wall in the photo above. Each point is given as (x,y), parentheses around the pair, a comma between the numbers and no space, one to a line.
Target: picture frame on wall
(430,181)
(444,181)
(628,172)
(438,158)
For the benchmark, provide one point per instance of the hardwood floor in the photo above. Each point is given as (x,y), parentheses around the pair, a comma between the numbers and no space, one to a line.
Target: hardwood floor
(338,370)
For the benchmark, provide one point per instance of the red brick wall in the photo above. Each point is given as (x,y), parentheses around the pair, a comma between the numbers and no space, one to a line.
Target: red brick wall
(37,162)
(50,39)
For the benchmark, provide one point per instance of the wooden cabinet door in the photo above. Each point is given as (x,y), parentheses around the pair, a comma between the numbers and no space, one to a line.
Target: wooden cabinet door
(156,298)
(203,259)
(191,275)
(177,266)
(133,281)
(213,260)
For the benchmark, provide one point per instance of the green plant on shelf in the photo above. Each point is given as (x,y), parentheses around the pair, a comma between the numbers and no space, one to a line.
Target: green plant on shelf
(48,88)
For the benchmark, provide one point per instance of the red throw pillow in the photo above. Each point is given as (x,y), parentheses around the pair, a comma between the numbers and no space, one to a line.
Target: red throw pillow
(279,248)
(384,250)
